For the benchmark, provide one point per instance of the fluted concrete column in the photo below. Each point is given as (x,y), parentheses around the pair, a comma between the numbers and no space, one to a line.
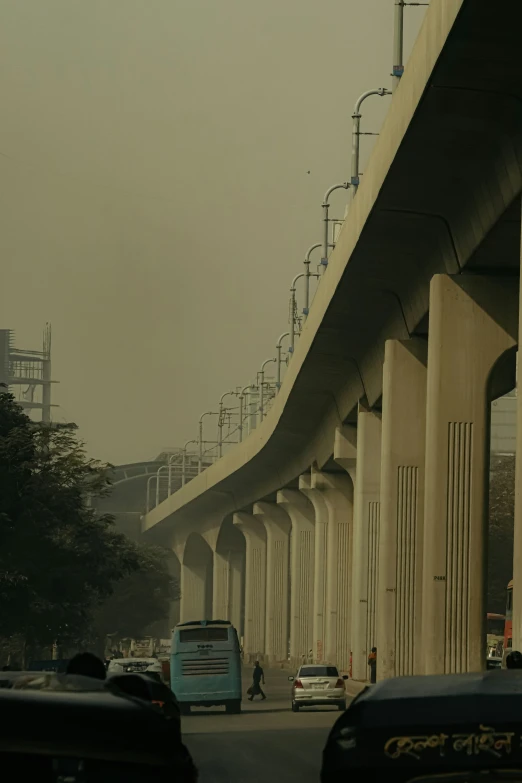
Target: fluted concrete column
(473,323)
(194,593)
(277,526)
(301,514)
(335,491)
(315,496)
(255,584)
(398,643)
(236,583)
(227,587)
(220,587)
(365,540)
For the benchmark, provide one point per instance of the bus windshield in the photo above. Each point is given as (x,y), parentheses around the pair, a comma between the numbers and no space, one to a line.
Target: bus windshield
(207,634)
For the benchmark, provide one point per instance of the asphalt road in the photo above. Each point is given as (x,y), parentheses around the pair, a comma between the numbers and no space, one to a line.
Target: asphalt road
(267,743)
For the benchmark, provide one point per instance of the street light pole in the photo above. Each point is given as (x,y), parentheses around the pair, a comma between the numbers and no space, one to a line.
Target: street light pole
(184,460)
(241,404)
(220,421)
(163,467)
(356,133)
(306,308)
(200,438)
(169,463)
(262,385)
(150,478)
(279,346)
(292,311)
(326,207)
(293,306)
(398,43)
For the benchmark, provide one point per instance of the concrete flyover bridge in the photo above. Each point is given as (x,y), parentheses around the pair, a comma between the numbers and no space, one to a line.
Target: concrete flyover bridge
(355,514)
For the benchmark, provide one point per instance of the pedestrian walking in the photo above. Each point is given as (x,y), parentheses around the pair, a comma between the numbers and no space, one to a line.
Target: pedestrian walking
(372,663)
(258,677)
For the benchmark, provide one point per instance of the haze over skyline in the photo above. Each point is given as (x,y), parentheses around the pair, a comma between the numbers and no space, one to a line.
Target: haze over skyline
(155,194)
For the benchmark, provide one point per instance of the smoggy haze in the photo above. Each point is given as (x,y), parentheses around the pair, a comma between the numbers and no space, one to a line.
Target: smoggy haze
(155,200)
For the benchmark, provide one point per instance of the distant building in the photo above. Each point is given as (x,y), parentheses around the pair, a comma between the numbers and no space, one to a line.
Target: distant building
(27,373)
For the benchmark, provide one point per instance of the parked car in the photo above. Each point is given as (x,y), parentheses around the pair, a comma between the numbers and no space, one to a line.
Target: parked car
(149,666)
(318,685)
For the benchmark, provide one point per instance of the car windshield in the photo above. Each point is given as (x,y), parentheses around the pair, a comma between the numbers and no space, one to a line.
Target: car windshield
(318,671)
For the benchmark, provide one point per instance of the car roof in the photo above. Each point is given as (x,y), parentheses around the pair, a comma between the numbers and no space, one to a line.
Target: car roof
(444,685)
(439,699)
(66,717)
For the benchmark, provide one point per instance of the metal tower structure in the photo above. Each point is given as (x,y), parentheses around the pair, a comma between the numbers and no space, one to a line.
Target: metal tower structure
(27,373)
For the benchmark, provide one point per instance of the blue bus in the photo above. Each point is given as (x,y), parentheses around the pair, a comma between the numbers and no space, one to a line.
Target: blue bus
(205,665)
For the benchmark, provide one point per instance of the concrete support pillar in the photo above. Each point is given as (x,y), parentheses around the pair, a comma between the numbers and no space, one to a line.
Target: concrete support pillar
(221,586)
(473,323)
(255,584)
(315,496)
(335,491)
(398,643)
(236,583)
(227,588)
(517,544)
(174,566)
(194,591)
(365,540)
(301,514)
(277,526)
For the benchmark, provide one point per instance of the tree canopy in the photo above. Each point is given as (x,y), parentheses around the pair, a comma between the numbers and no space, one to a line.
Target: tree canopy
(60,560)
(140,599)
(501,529)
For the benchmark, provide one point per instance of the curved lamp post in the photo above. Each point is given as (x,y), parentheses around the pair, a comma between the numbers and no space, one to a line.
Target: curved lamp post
(220,420)
(184,460)
(356,133)
(150,478)
(278,347)
(326,207)
(306,308)
(262,385)
(398,43)
(200,437)
(306,275)
(169,463)
(163,467)
(241,407)
(292,311)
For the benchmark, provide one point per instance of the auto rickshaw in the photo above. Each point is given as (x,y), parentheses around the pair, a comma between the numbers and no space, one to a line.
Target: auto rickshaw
(460,727)
(76,729)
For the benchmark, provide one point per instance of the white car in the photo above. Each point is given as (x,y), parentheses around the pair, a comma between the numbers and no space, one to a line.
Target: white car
(138,665)
(318,685)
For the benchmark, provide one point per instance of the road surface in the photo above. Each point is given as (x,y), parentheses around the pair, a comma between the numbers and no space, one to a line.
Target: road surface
(267,743)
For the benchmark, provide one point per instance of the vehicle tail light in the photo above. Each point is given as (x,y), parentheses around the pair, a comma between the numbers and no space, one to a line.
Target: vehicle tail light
(339,683)
(298,684)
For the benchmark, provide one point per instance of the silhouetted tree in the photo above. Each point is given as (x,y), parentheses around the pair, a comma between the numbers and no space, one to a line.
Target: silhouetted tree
(500,533)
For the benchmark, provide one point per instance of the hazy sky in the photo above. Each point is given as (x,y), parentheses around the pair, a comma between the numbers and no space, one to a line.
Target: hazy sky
(155,200)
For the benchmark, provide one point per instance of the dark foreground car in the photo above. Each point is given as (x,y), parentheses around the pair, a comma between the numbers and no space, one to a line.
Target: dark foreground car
(71,728)
(467,726)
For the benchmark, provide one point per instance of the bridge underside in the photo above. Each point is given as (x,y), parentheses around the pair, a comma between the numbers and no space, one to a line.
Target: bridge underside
(362,497)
